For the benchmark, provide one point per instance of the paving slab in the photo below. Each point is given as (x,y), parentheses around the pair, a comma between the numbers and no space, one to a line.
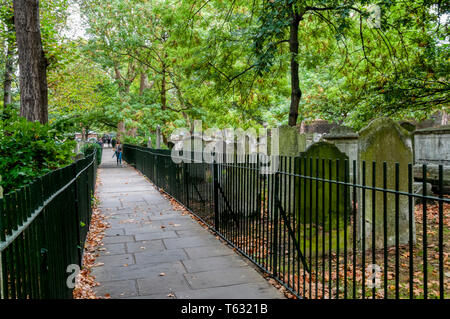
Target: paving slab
(222,277)
(152,251)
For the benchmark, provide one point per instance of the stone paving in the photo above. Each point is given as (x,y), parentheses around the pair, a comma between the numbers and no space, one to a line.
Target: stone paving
(152,251)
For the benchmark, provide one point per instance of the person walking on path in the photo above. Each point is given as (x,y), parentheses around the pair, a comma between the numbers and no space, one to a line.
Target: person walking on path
(118,153)
(113,143)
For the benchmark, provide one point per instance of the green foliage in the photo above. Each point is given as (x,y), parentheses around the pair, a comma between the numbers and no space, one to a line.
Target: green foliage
(29,150)
(352,71)
(88,148)
(135,140)
(226,62)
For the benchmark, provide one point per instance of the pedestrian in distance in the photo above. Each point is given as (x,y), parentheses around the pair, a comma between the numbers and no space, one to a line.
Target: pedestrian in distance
(118,153)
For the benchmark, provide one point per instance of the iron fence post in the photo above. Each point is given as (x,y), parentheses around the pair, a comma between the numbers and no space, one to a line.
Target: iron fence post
(186,183)
(77,212)
(275,227)
(216,196)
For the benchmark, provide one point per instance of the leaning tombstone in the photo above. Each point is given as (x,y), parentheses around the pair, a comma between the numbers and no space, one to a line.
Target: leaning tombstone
(383,140)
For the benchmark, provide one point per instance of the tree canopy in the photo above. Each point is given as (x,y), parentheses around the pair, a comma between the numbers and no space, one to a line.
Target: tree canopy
(235,63)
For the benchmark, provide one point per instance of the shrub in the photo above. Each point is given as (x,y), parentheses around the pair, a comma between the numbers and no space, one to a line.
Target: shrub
(90,147)
(29,150)
(135,140)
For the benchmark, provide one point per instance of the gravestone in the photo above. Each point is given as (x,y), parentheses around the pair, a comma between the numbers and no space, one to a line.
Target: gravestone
(312,138)
(346,140)
(291,144)
(383,140)
(316,199)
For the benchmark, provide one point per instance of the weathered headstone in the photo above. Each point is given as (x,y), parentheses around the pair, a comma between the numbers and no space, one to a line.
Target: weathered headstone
(419,190)
(317,200)
(241,180)
(383,140)
(291,142)
(291,145)
(311,138)
(346,140)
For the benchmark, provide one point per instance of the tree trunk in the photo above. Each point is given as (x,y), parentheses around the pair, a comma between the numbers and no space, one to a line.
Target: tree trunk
(32,61)
(296,93)
(120,130)
(8,77)
(163,88)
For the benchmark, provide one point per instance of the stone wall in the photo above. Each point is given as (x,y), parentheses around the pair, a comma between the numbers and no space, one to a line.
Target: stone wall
(317,126)
(432,145)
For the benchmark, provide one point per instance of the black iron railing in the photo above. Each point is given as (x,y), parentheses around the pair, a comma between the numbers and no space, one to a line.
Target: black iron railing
(322,228)
(43,227)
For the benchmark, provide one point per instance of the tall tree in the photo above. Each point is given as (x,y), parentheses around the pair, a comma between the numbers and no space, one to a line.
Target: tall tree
(32,61)
(7,17)
(404,60)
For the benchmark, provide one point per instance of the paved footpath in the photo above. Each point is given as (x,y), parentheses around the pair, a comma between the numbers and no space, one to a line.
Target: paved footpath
(153,251)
